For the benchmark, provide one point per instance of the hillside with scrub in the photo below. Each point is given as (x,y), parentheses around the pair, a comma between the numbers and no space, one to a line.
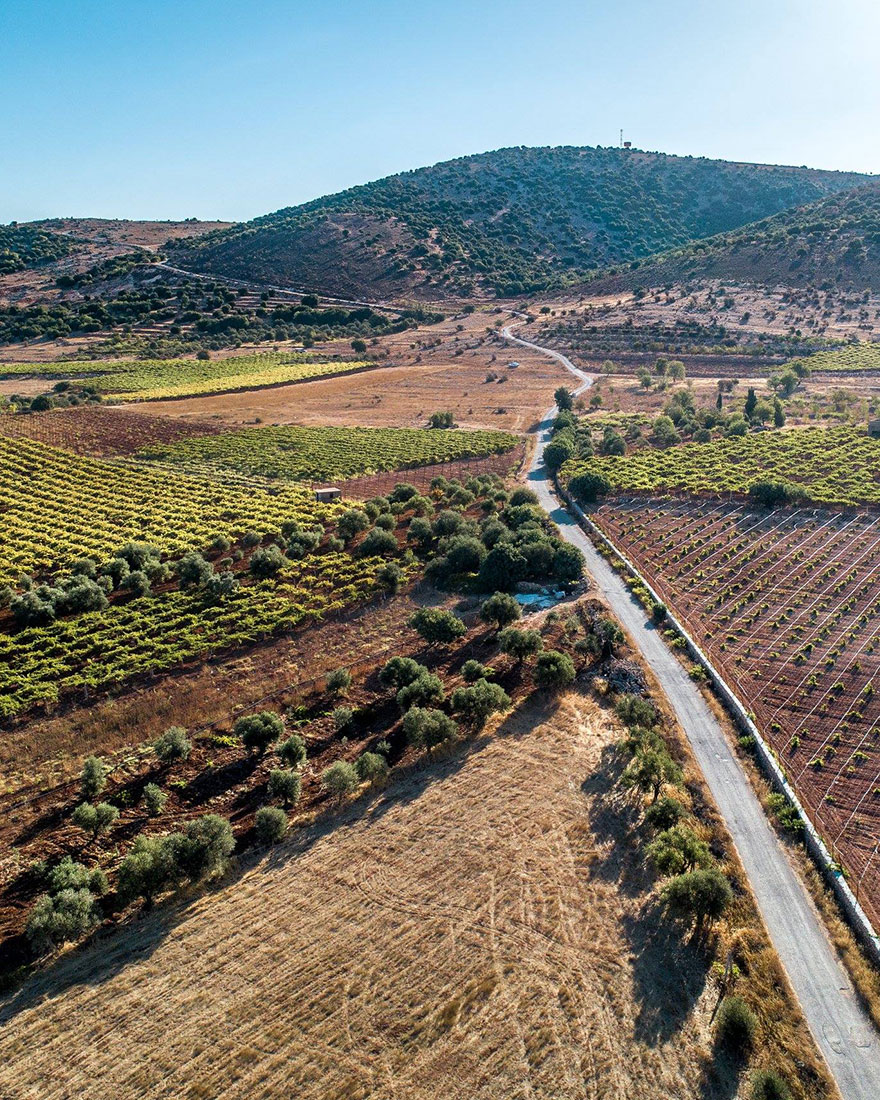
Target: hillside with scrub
(508,222)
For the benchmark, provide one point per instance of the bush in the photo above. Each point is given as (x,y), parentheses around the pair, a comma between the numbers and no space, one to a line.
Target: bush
(397,672)
(425,689)
(154,799)
(500,610)
(587,487)
(633,710)
(67,874)
(464,554)
(266,562)
(378,543)
(477,702)
(678,849)
(293,751)
(568,564)
(371,767)
(204,849)
(338,681)
(554,670)
(94,819)
(664,813)
(502,567)
(520,643)
(437,626)
(769,1085)
(651,767)
(701,895)
(390,576)
(426,728)
(172,745)
(351,523)
(93,777)
(735,1026)
(149,868)
(58,918)
(342,718)
(259,731)
(285,786)
(192,570)
(270,825)
(339,779)
(474,670)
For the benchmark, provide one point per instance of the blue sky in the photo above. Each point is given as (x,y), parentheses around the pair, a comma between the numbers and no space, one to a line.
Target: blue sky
(165,109)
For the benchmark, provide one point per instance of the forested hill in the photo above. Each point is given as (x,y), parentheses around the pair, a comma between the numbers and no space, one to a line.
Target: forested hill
(508,222)
(834,242)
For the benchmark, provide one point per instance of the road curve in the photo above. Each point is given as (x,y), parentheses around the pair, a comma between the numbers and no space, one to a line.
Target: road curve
(841,1028)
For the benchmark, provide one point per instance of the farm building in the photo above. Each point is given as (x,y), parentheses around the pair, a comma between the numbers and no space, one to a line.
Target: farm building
(874,428)
(328,494)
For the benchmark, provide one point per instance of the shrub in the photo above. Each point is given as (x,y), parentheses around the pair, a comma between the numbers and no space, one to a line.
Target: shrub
(701,895)
(587,487)
(342,718)
(266,562)
(67,874)
(351,523)
(192,570)
(677,850)
(769,1085)
(94,819)
(477,702)
(735,1026)
(371,767)
(172,745)
(500,610)
(390,576)
(154,799)
(437,626)
(633,710)
(57,918)
(93,777)
(474,670)
(502,567)
(259,731)
(339,779)
(426,728)
(554,670)
(464,554)
(377,544)
(293,751)
(397,672)
(204,849)
(285,785)
(270,825)
(149,868)
(520,643)
(664,813)
(568,564)
(425,689)
(651,767)
(339,681)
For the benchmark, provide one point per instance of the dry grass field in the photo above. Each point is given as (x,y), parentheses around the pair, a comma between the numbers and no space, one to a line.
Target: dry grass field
(482,929)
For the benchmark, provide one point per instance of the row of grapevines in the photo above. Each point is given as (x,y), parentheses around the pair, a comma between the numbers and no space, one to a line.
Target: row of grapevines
(56,506)
(836,465)
(328,453)
(100,649)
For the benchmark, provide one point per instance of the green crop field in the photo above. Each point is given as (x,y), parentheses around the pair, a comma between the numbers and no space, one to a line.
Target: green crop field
(856,357)
(153,379)
(56,507)
(835,465)
(328,453)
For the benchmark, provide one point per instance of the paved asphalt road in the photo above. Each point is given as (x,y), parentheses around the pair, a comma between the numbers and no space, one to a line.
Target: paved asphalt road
(841,1028)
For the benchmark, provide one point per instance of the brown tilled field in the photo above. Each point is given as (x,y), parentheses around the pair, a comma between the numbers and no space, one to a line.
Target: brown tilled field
(103,431)
(483,929)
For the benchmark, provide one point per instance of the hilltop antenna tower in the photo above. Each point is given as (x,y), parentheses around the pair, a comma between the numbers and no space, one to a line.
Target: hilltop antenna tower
(621,139)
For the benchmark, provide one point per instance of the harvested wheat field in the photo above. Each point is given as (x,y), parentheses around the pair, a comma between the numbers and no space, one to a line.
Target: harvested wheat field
(480,930)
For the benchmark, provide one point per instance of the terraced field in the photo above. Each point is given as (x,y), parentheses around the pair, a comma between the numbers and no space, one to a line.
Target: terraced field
(787,605)
(849,360)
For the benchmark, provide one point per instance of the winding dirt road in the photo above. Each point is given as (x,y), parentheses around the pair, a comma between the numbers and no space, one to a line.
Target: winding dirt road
(842,1029)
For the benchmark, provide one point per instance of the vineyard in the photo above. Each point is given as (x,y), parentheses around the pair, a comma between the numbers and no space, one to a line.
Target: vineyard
(103,649)
(154,379)
(56,507)
(787,606)
(835,465)
(298,453)
(856,357)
